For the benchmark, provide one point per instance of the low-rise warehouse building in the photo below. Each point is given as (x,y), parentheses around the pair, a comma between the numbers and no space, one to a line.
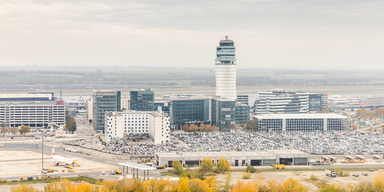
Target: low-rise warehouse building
(253,158)
(301,122)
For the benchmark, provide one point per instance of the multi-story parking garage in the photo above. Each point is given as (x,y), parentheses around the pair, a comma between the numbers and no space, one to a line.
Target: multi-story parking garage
(253,158)
(301,122)
(33,110)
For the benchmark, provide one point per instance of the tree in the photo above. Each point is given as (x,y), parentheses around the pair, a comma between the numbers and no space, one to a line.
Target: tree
(223,165)
(14,130)
(24,129)
(293,185)
(193,127)
(185,127)
(378,182)
(214,128)
(4,130)
(251,125)
(206,165)
(227,184)
(3,124)
(250,169)
(197,185)
(208,128)
(71,124)
(178,167)
(24,188)
(202,127)
(123,109)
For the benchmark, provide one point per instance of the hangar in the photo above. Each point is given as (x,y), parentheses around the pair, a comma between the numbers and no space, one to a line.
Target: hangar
(236,158)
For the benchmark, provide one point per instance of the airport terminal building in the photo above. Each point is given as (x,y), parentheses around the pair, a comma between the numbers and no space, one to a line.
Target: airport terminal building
(244,158)
(301,122)
(35,110)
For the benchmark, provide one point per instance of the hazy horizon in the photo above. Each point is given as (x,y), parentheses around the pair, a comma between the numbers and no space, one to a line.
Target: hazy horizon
(268,34)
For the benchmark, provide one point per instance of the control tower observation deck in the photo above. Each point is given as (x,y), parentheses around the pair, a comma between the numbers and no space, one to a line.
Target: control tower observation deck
(225,69)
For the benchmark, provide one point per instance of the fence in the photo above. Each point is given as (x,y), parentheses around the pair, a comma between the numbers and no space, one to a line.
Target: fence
(33,147)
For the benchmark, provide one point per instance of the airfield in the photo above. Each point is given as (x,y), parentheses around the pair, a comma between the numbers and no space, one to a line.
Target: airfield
(28,163)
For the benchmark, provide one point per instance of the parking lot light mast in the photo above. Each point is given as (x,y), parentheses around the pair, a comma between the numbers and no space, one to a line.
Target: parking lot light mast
(42,156)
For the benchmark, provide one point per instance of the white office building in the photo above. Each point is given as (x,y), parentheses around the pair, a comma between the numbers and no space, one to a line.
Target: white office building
(33,110)
(248,99)
(89,108)
(225,69)
(301,122)
(281,101)
(375,101)
(155,124)
(125,103)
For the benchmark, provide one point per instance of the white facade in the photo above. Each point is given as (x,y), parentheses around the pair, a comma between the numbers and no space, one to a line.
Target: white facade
(247,99)
(33,110)
(156,125)
(377,100)
(125,103)
(32,114)
(226,81)
(301,122)
(89,109)
(281,101)
(225,69)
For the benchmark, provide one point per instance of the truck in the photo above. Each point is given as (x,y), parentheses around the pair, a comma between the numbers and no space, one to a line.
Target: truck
(333,159)
(330,173)
(360,158)
(116,171)
(325,158)
(317,163)
(281,166)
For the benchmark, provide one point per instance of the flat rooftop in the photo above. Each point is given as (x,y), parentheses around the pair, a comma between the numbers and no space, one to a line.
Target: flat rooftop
(229,153)
(301,116)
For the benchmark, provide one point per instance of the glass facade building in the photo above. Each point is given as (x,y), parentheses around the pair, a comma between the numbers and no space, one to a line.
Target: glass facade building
(212,111)
(223,114)
(188,111)
(317,101)
(142,100)
(103,102)
(242,113)
(301,122)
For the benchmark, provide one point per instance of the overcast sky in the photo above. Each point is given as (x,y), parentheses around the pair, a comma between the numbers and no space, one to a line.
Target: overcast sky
(174,33)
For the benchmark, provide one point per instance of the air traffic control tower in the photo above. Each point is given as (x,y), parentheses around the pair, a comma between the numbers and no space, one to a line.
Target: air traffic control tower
(225,69)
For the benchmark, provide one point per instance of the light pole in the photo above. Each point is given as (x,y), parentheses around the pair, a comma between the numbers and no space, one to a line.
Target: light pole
(42,155)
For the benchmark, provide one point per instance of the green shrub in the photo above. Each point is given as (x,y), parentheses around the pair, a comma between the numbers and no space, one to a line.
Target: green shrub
(177,167)
(314,177)
(250,169)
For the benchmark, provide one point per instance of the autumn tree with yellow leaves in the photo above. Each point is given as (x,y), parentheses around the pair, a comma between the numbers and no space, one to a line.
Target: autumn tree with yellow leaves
(223,165)
(197,185)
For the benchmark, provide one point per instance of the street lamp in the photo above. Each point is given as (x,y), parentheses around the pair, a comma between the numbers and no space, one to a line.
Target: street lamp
(42,155)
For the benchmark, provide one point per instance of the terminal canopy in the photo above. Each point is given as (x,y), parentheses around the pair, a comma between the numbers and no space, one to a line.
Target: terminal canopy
(137,166)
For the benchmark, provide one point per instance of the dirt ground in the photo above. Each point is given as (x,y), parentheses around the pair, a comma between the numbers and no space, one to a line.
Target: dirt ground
(280,177)
(24,163)
(8,188)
